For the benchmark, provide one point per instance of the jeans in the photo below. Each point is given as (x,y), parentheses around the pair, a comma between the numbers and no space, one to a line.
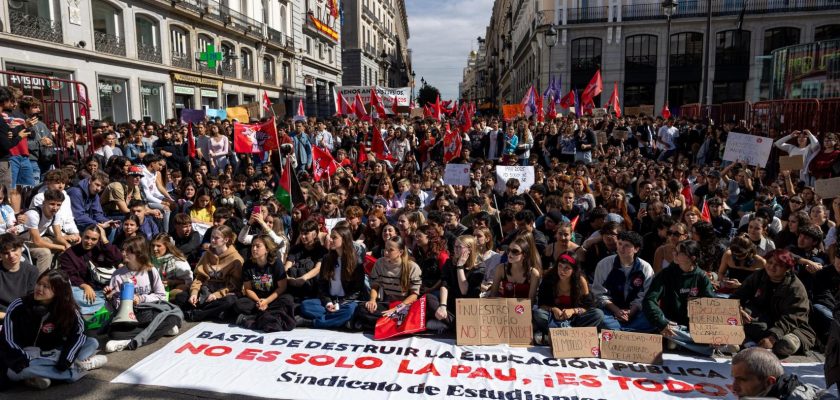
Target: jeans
(36,171)
(821,319)
(683,339)
(164,212)
(88,308)
(665,154)
(21,171)
(544,319)
(44,366)
(321,319)
(638,323)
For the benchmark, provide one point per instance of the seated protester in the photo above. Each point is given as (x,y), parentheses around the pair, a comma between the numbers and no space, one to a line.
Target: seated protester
(171,264)
(738,263)
(431,254)
(222,216)
(85,203)
(17,277)
(76,262)
(825,298)
(148,227)
(43,232)
(186,239)
(117,195)
(393,279)
(202,211)
(620,284)
(388,231)
(264,223)
(38,356)
(341,284)
(664,255)
(463,275)
(519,277)
(264,305)
(711,248)
(152,182)
(757,232)
(757,373)
(763,207)
(155,316)
(775,306)
(229,198)
(790,235)
(595,249)
(564,300)
(666,300)
(724,227)
(452,215)
(304,263)
(808,254)
(353,215)
(218,277)
(129,228)
(56,179)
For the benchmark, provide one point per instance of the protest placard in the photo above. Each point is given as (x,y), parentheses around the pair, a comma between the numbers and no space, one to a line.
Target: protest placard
(416,113)
(753,150)
(629,346)
(827,188)
(574,342)
(524,174)
(791,163)
(602,137)
(457,174)
(330,223)
(493,321)
(620,134)
(715,321)
(238,113)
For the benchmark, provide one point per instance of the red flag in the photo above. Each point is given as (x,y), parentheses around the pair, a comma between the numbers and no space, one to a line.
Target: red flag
(359,109)
(379,148)
(266,103)
(427,112)
(301,113)
(190,141)
(437,109)
(322,163)
(539,102)
(407,320)
(686,192)
(451,144)
(575,222)
(552,109)
(255,138)
(362,158)
(705,215)
(394,106)
(342,107)
(594,88)
(568,101)
(614,101)
(377,108)
(666,113)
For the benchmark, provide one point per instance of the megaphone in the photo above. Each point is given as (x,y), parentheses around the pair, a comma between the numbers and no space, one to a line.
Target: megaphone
(125,317)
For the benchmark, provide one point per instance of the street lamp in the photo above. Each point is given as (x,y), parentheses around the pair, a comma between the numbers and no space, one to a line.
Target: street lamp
(550,41)
(412,84)
(668,7)
(383,57)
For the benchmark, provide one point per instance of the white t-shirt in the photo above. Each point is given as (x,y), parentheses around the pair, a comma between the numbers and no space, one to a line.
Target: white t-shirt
(149,184)
(34,220)
(667,135)
(64,216)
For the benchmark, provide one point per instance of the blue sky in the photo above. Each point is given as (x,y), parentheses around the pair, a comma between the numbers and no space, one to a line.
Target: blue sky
(442,34)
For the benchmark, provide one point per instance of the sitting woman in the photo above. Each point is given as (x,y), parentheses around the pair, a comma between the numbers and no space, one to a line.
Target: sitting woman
(431,254)
(463,275)
(664,255)
(563,243)
(264,304)
(265,223)
(394,279)
(130,228)
(564,300)
(37,356)
(738,263)
(76,263)
(171,264)
(518,277)
(218,277)
(155,316)
(341,284)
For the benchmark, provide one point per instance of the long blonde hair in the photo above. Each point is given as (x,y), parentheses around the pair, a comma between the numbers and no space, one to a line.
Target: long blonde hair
(469,242)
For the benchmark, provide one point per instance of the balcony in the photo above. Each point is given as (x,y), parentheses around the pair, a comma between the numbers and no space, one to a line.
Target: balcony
(697,8)
(587,15)
(228,70)
(35,27)
(247,74)
(107,43)
(202,67)
(269,78)
(368,48)
(366,11)
(181,60)
(150,53)
(213,10)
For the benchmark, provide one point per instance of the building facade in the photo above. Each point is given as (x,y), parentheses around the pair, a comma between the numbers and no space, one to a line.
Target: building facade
(629,42)
(153,58)
(375,43)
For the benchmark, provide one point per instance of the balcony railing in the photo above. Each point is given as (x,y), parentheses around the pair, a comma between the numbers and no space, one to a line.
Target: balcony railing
(228,70)
(697,8)
(269,77)
(107,43)
(587,14)
(290,43)
(369,13)
(181,60)
(215,11)
(202,67)
(150,53)
(368,48)
(35,27)
(248,74)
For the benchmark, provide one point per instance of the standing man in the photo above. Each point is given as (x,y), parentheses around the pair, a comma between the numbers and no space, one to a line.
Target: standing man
(667,139)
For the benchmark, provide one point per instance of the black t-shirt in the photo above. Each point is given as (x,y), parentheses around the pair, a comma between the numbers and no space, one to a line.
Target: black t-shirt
(303,260)
(264,280)
(16,284)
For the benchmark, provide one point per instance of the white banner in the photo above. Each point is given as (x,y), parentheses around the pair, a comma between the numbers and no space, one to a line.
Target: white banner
(321,364)
(457,174)
(524,174)
(753,150)
(402,94)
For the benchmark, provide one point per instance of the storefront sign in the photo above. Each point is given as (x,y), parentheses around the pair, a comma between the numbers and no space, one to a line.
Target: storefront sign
(196,80)
(183,90)
(106,87)
(150,90)
(209,93)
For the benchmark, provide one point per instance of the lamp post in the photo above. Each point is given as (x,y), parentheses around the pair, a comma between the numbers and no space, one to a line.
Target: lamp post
(383,57)
(668,7)
(550,41)
(412,85)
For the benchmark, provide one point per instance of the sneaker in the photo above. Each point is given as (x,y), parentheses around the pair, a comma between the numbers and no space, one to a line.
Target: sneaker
(436,326)
(728,349)
(173,331)
(670,345)
(302,322)
(787,345)
(243,320)
(38,383)
(539,339)
(116,345)
(93,362)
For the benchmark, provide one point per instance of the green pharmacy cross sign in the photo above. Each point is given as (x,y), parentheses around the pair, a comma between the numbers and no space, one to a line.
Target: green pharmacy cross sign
(210,56)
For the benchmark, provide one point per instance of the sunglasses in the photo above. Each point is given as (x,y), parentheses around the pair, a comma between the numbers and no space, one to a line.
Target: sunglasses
(676,234)
(796,201)
(514,252)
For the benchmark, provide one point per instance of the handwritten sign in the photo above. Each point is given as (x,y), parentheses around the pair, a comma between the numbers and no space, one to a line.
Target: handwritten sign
(331,223)
(575,342)
(493,321)
(751,149)
(602,137)
(715,321)
(457,174)
(524,174)
(791,163)
(633,347)
(827,188)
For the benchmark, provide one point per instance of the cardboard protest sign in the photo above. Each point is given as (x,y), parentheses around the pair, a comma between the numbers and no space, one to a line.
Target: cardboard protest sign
(524,174)
(602,137)
(457,174)
(633,347)
(331,223)
(574,342)
(791,163)
(620,134)
(828,188)
(715,321)
(493,321)
(416,113)
(751,149)
(238,113)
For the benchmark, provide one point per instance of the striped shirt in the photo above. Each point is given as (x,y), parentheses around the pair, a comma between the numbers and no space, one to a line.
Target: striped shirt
(387,275)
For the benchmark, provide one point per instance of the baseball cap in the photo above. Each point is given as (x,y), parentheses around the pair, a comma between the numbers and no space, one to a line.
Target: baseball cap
(135,170)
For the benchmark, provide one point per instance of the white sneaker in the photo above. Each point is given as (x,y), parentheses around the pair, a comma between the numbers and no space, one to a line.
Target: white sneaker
(172,331)
(38,383)
(116,345)
(93,362)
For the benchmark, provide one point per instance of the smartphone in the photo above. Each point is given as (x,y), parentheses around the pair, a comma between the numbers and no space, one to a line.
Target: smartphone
(257,209)
(642,205)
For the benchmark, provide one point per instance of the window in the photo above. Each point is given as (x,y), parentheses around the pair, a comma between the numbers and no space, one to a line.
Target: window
(180,41)
(330,55)
(283,20)
(308,46)
(687,49)
(732,66)
(640,70)
(148,45)
(586,60)
(779,37)
(228,54)
(320,50)
(108,35)
(733,48)
(640,51)
(827,32)
(268,70)
(287,73)
(246,61)
(204,41)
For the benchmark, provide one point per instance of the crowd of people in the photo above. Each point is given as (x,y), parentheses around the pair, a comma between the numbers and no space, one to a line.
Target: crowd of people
(616,234)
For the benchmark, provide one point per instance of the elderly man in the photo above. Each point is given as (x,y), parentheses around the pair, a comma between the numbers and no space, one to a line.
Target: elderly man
(757,373)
